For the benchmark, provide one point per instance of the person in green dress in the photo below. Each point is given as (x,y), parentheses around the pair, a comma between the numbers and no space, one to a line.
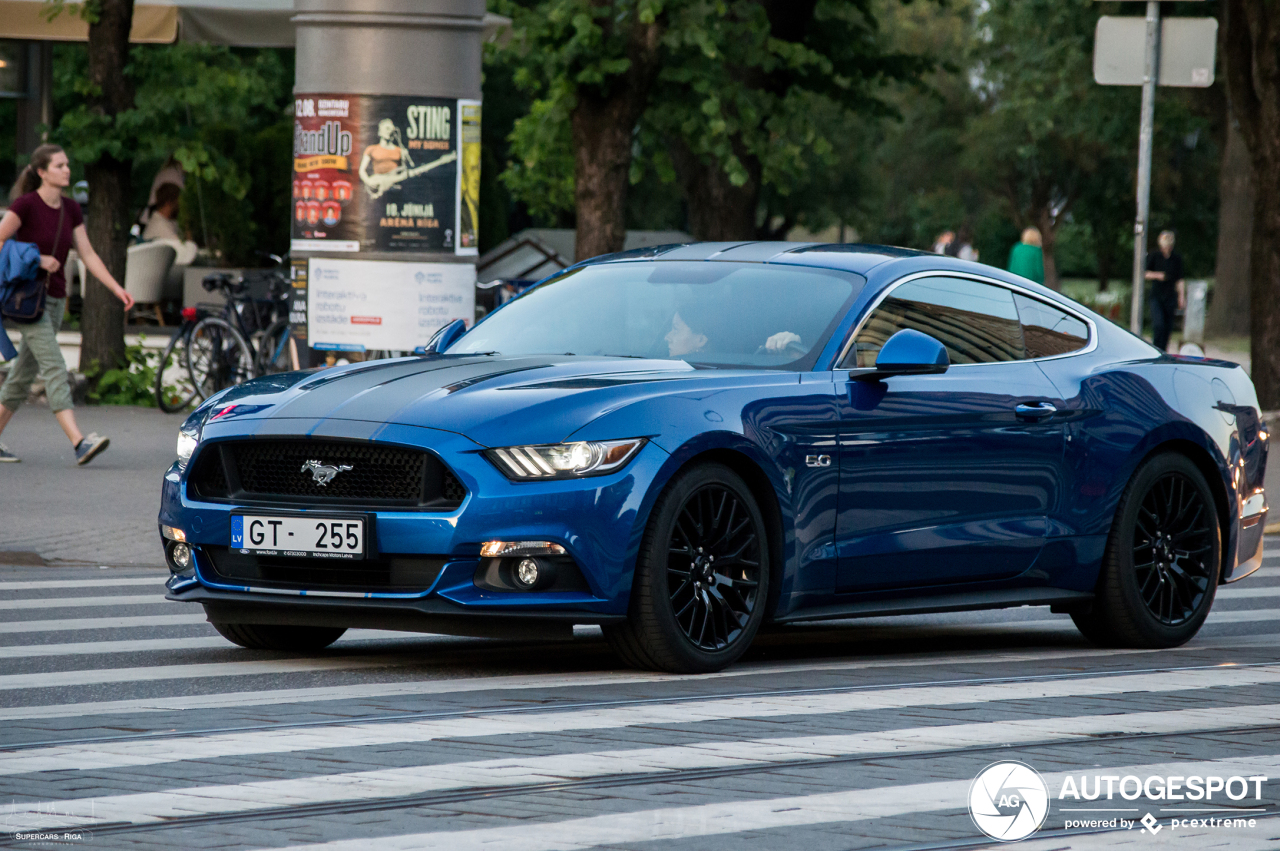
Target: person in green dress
(1027,257)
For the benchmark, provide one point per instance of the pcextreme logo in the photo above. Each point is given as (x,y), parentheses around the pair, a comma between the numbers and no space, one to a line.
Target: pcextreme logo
(1009,801)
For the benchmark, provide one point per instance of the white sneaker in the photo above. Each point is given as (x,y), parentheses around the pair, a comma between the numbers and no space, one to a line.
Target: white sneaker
(89,447)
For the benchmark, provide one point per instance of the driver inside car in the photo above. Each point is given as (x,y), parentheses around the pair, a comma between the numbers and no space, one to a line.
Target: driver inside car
(682,340)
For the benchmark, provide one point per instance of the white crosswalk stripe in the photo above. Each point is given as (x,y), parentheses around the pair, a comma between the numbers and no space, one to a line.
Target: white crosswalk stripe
(156,580)
(151,752)
(672,823)
(83,602)
(145,645)
(198,671)
(515,771)
(66,624)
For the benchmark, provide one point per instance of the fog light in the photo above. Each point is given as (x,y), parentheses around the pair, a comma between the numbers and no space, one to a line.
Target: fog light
(526,573)
(181,556)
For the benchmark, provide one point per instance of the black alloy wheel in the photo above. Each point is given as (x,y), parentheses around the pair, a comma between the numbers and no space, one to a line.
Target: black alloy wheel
(713,567)
(1176,532)
(1163,560)
(702,576)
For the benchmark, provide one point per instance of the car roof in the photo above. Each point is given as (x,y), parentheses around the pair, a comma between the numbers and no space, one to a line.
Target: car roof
(851,257)
(889,262)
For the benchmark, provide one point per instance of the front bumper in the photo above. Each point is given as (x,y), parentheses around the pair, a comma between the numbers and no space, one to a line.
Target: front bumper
(597,520)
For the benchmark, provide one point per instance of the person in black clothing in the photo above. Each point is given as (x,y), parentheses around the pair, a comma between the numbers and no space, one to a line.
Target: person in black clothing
(1168,289)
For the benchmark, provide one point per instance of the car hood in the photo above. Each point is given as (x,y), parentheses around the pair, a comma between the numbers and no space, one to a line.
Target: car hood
(492,400)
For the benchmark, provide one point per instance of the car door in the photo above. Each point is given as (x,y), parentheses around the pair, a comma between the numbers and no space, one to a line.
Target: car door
(946,478)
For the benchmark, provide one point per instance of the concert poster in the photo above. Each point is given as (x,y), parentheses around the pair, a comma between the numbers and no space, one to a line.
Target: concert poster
(376,173)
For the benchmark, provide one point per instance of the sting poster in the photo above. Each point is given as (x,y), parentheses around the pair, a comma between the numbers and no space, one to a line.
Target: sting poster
(380,174)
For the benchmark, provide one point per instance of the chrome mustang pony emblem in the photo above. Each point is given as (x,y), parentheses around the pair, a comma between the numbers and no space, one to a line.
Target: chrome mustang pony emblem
(323,473)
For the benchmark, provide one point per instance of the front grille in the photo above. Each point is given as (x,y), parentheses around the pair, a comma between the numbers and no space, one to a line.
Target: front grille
(280,471)
(405,574)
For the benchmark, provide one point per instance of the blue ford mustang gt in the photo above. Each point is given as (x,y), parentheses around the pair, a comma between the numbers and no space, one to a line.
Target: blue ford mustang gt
(682,443)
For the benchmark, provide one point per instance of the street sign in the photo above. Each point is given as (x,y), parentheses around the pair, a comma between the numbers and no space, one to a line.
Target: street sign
(1188,49)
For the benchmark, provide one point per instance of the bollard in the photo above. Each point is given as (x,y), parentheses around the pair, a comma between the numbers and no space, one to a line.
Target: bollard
(1193,316)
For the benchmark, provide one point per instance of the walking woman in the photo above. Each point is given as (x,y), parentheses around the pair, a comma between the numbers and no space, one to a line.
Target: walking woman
(41,214)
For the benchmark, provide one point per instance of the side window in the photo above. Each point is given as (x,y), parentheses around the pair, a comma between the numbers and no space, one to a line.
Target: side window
(1049,331)
(978,323)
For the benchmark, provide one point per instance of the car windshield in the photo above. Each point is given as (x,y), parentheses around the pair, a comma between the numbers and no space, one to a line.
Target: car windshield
(707,313)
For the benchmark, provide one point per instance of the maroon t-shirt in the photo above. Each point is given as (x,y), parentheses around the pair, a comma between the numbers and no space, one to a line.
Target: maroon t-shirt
(39,221)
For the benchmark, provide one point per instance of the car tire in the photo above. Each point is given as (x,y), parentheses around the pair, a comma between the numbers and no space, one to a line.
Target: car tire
(273,637)
(709,618)
(1162,563)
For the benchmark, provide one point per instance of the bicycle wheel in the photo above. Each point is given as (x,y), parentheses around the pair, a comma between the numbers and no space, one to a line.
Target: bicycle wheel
(274,352)
(174,388)
(217,356)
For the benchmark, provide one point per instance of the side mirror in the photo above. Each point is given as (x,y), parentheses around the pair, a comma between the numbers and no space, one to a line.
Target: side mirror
(445,337)
(907,352)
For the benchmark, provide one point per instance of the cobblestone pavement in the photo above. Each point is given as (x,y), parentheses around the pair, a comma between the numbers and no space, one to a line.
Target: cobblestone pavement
(128,717)
(102,513)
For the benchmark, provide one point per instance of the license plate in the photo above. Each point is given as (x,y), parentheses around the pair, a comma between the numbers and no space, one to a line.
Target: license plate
(309,537)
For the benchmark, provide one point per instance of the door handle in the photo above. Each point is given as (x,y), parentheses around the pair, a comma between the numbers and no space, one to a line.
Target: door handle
(1037,411)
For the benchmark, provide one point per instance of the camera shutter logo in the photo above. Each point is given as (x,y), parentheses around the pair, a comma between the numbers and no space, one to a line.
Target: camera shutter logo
(1008,801)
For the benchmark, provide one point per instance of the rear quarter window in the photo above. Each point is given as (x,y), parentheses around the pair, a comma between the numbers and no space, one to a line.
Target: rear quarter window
(1048,331)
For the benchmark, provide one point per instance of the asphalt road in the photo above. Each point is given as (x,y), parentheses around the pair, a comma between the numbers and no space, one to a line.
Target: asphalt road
(129,718)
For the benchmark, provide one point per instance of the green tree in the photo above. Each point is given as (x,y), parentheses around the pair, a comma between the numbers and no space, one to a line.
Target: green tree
(1047,129)
(755,102)
(220,113)
(590,65)
(738,102)
(108,92)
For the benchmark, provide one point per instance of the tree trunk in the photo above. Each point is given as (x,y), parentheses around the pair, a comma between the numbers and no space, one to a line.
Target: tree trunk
(107,217)
(602,166)
(1105,259)
(1048,227)
(1264,283)
(718,210)
(1252,58)
(1229,313)
(603,122)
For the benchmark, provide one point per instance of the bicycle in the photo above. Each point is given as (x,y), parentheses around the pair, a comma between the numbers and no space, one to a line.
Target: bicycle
(222,345)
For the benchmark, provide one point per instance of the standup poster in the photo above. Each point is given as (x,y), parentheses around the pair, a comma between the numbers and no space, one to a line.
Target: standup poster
(380,174)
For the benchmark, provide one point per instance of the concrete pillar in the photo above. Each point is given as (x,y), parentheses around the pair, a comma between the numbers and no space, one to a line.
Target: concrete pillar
(386,147)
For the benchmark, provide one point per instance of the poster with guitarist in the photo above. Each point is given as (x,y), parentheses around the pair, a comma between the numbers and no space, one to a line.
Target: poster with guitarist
(391,183)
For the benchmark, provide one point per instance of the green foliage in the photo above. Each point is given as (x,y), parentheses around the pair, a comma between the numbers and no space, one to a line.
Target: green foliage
(767,93)
(131,382)
(220,113)
(1010,127)
(558,47)
(775,99)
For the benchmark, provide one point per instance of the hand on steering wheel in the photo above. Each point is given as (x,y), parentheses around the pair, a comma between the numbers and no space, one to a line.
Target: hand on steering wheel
(784,341)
